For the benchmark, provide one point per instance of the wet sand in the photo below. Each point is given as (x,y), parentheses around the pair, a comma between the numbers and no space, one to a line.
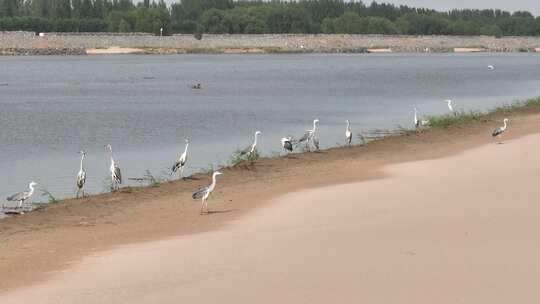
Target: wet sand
(416,220)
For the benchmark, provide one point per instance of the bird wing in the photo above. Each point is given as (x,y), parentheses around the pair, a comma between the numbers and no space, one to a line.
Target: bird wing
(305,136)
(175,166)
(288,145)
(16,197)
(81,178)
(118,174)
(246,150)
(496,132)
(199,193)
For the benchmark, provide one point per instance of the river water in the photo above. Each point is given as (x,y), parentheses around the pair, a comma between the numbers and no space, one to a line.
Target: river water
(52,107)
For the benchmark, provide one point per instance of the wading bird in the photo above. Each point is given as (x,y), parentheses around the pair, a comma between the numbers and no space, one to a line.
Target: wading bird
(21,197)
(116,175)
(500,130)
(348,133)
(286,143)
(251,149)
(81,176)
(311,136)
(181,162)
(204,192)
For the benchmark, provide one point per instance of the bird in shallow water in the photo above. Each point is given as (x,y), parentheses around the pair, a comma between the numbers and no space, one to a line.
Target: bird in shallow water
(23,196)
(204,192)
(500,130)
(81,176)
(116,174)
(179,164)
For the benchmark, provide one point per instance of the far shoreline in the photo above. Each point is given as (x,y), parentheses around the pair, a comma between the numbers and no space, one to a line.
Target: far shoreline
(19,43)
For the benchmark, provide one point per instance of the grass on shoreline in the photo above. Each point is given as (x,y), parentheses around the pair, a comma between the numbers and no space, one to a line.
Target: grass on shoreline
(244,161)
(447,120)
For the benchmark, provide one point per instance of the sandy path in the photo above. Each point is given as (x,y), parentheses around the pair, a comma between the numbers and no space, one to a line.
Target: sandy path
(461,229)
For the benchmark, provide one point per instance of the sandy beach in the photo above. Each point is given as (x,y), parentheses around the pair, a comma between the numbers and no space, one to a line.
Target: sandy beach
(446,216)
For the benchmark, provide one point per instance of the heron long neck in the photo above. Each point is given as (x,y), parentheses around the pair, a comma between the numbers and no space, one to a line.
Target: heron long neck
(314,127)
(185,149)
(504,127)
(213,184)
(255,141)
(348,125)
(82,159)
(31,189)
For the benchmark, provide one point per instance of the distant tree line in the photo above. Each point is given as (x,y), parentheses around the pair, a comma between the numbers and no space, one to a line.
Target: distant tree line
(255,17)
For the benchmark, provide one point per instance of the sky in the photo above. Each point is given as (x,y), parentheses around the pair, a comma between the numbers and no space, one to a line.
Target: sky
(532,6)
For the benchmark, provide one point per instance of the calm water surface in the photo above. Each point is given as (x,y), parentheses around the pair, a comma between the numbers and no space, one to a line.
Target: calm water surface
(52,107)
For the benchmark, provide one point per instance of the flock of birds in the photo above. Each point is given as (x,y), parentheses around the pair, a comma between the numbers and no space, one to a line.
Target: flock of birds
(310,139)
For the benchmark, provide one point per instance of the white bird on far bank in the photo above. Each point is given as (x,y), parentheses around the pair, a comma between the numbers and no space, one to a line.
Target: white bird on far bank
(21,197)
(348,133)
(500,130)
(311,136)
(204,192)
(81,176)
(179,165)
(490,67)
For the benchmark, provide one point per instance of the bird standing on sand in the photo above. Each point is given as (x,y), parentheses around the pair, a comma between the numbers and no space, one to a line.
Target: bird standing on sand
(253,148)
(81,176)
(286,143)
(348,133)
(181,162)
(204,192)
(311,136)
(500,130)
(116,175)
(21,197)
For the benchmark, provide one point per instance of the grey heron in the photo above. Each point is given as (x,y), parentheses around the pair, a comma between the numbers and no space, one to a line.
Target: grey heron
(204,192)
(181,162)
(500,130)
(311,136)
(348,133)
(251,149)
(116,174)
(81,176)
(21,197)
(286,143)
